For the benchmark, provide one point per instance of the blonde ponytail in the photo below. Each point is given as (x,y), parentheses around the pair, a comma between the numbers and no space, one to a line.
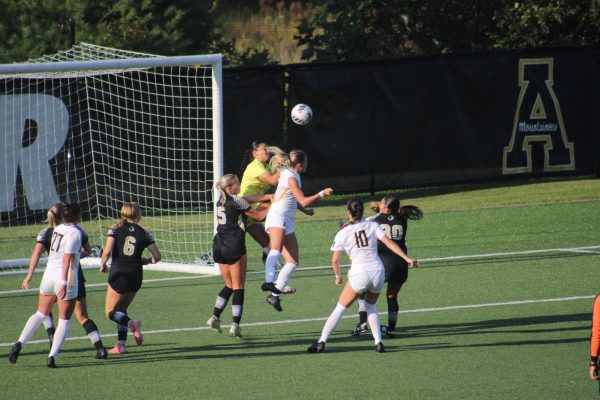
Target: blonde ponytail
(279,158)
(226,181)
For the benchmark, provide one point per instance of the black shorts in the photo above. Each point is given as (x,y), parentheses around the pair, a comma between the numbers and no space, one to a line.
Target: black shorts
(396,269)
(80,284)
(125,281)
(229,248)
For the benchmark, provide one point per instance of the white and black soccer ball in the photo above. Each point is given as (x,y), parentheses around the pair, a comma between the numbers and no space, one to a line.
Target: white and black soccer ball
(301,114)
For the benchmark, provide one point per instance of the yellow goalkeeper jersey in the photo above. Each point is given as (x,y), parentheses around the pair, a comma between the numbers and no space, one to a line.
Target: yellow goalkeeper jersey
(251,185)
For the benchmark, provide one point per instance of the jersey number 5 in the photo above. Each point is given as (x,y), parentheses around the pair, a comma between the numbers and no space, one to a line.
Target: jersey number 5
(221,215)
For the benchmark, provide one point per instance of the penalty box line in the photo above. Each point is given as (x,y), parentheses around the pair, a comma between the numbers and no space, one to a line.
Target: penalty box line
(304,320)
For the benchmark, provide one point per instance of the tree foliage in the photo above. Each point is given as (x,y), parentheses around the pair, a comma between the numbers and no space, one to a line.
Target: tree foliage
(335,30)
(374,29)
(32,28)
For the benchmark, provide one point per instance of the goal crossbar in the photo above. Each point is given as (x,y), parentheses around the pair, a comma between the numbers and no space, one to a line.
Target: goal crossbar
(96,65)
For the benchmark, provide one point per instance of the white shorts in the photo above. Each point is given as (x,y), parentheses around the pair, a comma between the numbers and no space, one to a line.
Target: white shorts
(51,283)
(370,280)
(278,220)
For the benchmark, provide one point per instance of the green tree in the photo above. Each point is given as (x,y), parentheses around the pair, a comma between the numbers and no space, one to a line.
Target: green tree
(374,29)
(29,29)
(549,23)
(32,28)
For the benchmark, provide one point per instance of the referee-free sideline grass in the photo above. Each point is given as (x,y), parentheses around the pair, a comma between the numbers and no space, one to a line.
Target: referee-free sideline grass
(500,309)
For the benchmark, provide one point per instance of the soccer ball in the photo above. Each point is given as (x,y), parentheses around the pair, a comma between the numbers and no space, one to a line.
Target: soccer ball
(301,114)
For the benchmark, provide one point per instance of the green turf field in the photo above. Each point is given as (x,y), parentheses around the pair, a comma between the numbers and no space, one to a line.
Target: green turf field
(500,309)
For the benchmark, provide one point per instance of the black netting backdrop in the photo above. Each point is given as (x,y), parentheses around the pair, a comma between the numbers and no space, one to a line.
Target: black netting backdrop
(430,121)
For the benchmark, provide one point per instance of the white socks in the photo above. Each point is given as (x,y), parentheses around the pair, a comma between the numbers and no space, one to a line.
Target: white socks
(373,318)
(284,275)
(271,265)
(361,305)
(332,321)
(48,322)
(94,336)
(32,324)
(62,331)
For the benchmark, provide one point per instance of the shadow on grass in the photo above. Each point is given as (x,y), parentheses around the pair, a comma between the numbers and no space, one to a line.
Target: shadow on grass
(535,329)
(532,331)
(240,350)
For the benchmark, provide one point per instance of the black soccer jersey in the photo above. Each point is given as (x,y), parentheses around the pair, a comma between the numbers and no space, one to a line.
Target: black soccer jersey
(130,242)
(231,215)
(45,237)
(394,228)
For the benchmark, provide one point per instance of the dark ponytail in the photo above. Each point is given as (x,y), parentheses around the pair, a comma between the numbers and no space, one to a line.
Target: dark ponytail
(406,212)
(413,213)
(356,208)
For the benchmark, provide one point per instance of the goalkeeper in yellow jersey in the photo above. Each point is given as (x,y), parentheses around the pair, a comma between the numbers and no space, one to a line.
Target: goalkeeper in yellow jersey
(257,180)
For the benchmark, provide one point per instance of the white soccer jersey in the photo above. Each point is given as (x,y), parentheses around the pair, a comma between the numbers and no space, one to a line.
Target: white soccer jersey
(65,239)
(284,201)
(359,241)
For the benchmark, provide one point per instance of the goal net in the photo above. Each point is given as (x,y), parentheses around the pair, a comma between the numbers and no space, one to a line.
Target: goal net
(102,127)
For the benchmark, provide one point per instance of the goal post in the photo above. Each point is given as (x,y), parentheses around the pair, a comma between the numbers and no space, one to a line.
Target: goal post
(105,131)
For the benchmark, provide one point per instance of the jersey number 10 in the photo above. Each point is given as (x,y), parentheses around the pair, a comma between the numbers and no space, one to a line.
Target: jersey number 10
(361,239)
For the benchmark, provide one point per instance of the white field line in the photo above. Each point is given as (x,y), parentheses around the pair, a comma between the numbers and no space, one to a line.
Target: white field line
(303,320)
(586,250)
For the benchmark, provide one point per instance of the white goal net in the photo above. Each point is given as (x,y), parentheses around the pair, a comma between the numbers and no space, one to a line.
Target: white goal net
(101,127)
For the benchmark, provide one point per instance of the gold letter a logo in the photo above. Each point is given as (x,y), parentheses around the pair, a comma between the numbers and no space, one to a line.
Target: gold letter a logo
(538,119)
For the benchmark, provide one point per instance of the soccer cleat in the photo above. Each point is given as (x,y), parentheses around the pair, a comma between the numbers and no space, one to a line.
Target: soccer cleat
(360,328)
(275,302)
(51,362)
(288,290)
(214,323)
(118,349)
(235,331)
(270,287)
(136,329)
(385,330)
(379,347)
(14,352)
(101,353)
(317,347)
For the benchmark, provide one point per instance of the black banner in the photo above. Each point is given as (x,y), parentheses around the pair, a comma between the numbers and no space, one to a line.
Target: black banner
(438,120)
